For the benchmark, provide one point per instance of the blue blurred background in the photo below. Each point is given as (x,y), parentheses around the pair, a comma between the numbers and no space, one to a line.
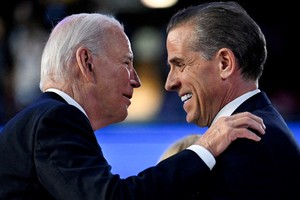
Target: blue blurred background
(131,148)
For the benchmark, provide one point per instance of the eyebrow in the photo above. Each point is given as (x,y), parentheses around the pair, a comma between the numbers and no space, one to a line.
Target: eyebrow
(176,60)
(129,56)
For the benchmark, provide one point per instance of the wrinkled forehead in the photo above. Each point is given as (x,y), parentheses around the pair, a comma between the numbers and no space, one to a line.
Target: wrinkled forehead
(180,36)
(118,42)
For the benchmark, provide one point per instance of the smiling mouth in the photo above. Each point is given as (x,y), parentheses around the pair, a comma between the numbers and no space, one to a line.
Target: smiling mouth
(186,97)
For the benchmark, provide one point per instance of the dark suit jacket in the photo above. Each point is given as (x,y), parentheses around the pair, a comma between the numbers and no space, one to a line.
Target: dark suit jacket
(269,169)
(49,151)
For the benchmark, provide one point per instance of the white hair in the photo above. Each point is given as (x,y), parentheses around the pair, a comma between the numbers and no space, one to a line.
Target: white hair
(84,29)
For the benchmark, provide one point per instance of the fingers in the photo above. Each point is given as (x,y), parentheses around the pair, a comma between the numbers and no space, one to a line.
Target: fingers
(247,120)
(246,133)
(227,129)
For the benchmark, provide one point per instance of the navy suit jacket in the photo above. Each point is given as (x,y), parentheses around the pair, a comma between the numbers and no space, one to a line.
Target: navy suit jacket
(269,169)
(49,151)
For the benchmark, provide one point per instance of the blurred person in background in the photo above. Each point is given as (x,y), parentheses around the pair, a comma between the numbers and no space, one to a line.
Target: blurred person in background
(179,145)
(49,150)
(216,53)
(26,41)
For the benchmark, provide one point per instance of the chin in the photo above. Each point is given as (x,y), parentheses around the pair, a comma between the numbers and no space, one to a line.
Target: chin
(123,116)
(188,119)
(191,120)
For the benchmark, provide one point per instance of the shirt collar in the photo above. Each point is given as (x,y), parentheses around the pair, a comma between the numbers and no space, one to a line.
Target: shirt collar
(231,106)
(67,98)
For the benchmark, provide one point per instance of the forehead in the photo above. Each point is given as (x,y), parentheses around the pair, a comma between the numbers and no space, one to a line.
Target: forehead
(178,41)
(181,33)
(179,38)
(118,42)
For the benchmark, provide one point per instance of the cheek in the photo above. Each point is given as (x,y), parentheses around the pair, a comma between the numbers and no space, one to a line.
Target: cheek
(192,78)
(119,76)
(122,75)
(198,84)
(202,77)
(117,84)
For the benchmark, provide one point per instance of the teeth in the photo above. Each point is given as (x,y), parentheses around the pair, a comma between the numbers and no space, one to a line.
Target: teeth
(186,97)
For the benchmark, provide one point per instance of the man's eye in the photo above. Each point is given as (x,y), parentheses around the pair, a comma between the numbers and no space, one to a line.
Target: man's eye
(180,65)
(127,63)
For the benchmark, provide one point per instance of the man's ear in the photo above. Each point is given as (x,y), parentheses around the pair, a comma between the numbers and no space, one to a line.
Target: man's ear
(84,60)
(227,62)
